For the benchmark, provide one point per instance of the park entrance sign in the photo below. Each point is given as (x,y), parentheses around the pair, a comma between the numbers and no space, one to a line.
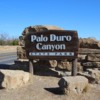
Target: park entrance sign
(52,44)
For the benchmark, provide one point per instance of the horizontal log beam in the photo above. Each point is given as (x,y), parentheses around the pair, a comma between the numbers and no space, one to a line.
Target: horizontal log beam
(88,51)
(91,64)
(93,57)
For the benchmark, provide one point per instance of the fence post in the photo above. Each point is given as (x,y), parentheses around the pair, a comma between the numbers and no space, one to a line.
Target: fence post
(31,67)
(74,67)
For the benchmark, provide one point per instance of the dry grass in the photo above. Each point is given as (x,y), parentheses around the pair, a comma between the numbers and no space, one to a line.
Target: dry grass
(4,49)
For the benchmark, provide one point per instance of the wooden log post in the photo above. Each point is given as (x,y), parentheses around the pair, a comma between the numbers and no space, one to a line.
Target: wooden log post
(74,67)
(31,67)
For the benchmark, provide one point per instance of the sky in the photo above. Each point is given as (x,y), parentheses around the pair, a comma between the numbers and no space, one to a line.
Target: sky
(80,15)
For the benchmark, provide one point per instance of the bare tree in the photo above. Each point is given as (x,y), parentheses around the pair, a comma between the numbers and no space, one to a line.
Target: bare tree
(3,39)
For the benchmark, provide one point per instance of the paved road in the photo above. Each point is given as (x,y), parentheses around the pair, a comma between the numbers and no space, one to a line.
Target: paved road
(7,58)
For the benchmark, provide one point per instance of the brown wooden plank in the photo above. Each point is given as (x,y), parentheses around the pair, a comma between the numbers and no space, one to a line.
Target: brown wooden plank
(88,51)
(93,57)
(68,46)
(91,64)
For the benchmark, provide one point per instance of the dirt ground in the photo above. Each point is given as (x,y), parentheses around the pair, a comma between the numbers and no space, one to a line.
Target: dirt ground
(46,88)
(5,49)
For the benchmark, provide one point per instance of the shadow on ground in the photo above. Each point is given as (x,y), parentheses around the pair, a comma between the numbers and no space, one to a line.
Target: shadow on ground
(5,66)
(55,90)
(44,71)
(1,80)
(38,70)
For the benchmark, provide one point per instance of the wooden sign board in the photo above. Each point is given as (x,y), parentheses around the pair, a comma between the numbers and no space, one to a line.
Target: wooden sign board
(52,44)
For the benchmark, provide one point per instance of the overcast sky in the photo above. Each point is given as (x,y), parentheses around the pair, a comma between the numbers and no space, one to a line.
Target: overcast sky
(80,15)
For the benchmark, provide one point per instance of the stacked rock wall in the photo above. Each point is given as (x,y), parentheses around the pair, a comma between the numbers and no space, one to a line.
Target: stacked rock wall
(89,61)
(89,53)
(88,56)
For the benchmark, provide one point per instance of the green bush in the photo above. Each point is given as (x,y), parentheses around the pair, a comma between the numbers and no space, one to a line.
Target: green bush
(14,42)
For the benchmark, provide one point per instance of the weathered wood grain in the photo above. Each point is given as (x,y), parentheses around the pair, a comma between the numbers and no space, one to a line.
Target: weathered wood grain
(88,51)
